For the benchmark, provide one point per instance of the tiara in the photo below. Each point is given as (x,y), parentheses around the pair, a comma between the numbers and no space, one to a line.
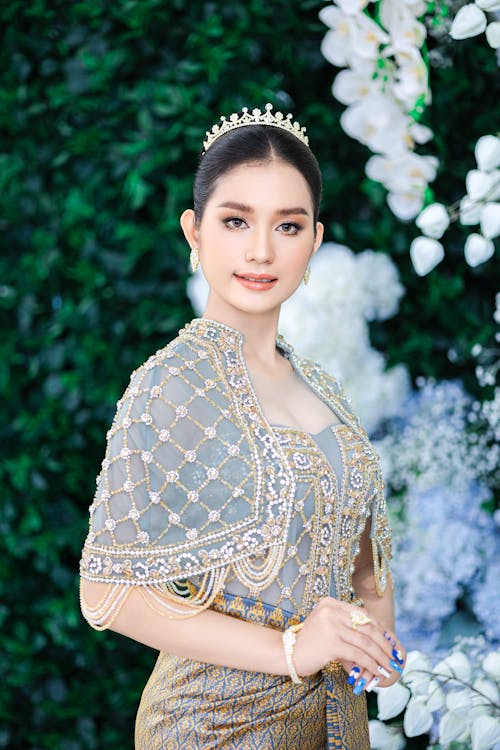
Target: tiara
(256,117)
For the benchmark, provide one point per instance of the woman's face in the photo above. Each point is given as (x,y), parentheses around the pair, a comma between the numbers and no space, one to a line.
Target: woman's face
(255,238)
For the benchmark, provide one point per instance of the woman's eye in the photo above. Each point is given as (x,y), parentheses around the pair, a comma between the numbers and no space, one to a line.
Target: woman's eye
(290,228)
(234,222)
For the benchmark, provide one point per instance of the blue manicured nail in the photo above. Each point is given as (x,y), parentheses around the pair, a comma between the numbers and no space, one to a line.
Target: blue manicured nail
(396,666)
(359,686)
(390,639)
(397,655)
(353,675)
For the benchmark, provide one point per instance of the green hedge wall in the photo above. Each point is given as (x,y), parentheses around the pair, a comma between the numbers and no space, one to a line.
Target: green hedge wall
(103,107)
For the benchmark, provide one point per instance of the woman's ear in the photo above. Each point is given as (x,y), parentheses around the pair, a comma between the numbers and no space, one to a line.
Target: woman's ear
(188,224)
(318,239)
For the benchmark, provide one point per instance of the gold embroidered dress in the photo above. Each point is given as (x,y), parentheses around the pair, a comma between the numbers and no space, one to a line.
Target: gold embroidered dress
(200,497)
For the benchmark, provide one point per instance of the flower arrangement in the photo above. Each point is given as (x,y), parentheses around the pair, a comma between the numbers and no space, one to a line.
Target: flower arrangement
(455,702)
(385,85)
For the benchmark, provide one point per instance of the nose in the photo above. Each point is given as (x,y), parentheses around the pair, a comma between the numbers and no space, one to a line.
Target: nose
(260,246)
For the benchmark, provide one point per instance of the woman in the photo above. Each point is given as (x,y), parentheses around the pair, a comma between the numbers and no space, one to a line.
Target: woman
(239,523)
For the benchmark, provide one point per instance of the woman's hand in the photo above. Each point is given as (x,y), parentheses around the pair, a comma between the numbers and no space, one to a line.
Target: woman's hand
(366,652)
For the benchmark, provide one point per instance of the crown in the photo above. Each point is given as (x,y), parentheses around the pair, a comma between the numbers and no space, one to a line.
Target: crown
(256,117)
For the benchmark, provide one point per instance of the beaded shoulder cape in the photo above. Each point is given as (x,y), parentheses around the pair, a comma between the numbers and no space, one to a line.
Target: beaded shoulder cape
(194,481)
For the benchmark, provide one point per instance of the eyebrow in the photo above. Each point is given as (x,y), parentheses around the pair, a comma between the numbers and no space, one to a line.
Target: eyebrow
(249,210)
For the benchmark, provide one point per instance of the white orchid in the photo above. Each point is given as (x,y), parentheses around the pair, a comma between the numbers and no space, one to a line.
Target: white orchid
(349,33)
(378,122)
(469,21)
(433,221)
(402,24)
(412,79)
(351,86)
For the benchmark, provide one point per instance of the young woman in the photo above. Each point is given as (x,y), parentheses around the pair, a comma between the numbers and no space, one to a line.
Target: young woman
(239,524)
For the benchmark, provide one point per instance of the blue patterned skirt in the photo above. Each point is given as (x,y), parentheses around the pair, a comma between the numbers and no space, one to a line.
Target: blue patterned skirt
(188,705)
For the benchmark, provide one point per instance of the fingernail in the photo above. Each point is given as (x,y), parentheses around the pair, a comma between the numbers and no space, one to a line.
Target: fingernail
(390,638)
(359,686)
(397,655)
(372,684)
(383,671)
(396,666)
(353,675)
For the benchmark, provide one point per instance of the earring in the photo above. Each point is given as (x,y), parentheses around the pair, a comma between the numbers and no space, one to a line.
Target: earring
(194,259)
(307,275)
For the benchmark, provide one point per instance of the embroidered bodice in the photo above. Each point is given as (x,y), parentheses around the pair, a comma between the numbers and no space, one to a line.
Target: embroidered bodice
(197,485)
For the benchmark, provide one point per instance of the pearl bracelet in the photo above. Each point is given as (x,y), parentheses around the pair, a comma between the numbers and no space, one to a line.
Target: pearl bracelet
(289,638)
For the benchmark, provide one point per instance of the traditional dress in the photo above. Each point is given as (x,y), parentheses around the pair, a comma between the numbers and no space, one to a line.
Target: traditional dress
(201,500)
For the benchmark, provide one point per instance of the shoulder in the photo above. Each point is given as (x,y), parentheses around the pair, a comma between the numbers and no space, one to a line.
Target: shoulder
(184,354)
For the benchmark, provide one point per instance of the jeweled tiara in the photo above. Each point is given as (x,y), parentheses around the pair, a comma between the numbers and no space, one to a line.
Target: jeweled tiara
(255,117)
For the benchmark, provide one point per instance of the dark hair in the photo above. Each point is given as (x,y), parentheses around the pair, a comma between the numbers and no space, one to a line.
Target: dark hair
(254,143)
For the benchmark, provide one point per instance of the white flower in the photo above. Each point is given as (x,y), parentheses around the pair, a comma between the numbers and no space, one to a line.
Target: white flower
(433,221)
(479,184)
(455,665)
(378,122)
(488,5)
(417,718)
(493,34)
(478,249)
(490,220)
(485,733)
(487,152)
(412,77)
(406,205)
(349,35)
(425,254)
(491,663)
(452,726)
(420,133)
(392,700)
(469,21)
(350,86)
(351,7)
(383,737)
(405,30)
(470,211)
(435,696)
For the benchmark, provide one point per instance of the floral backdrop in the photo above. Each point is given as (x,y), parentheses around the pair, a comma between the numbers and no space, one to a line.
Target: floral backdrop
(102,108)
(439,445)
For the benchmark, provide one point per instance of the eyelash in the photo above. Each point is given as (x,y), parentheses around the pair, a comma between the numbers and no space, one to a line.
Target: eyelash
(292,224)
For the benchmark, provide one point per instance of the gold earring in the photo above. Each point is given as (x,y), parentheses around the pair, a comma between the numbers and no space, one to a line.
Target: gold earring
(194,259)
(307,275)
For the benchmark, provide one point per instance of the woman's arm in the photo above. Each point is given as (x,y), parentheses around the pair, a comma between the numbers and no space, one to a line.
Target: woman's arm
(223,640)
(363,580)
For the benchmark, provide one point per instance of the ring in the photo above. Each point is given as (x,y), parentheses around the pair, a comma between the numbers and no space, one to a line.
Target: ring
(358,618)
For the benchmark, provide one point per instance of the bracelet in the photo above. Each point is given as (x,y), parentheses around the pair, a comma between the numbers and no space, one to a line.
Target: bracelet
(289,638)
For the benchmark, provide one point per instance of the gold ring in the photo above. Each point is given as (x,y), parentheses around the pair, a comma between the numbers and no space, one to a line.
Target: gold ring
(358,618)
